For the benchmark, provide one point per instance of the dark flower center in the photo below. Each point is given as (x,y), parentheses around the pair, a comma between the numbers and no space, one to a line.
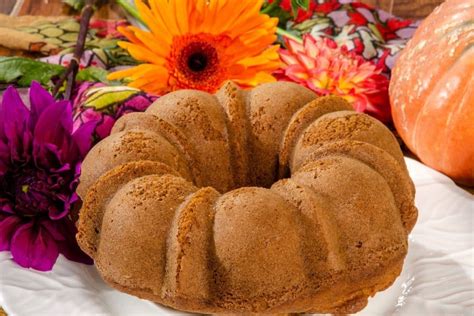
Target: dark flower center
(197,61)
(31,191)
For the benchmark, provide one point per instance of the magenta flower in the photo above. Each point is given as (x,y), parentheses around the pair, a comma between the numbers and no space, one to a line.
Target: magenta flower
(106,104)
(40,160)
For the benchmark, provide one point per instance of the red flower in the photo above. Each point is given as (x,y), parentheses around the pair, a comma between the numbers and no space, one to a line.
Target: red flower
(302,15)
(396,24)
(391,26)
(358,46)
(357,18)
(326,7)
(357,4)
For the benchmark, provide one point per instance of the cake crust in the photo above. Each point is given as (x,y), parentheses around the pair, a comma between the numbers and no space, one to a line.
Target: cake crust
(261,201)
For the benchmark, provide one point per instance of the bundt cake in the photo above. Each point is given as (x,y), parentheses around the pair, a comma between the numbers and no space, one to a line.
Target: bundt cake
(262,201)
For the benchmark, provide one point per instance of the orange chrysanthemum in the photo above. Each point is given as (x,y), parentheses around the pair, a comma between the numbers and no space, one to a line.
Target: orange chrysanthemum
(198,44)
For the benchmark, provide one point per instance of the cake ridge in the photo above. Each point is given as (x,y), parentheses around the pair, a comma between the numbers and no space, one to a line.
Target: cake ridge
(183,242)
(233,102)
(139,120)
(297,124)
(106,187)
(122,147)
(399,182)
(202,121)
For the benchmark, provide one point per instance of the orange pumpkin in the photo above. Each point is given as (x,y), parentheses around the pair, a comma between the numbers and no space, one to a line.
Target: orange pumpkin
(432,91)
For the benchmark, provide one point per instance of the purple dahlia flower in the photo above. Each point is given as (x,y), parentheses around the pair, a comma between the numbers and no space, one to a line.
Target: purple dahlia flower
(40,160)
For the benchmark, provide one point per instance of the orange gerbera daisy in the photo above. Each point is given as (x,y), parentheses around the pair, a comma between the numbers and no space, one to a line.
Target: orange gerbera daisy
(198,44)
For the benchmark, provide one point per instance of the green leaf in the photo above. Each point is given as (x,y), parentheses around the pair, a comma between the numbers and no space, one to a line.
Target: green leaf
(299,4)
(104,97)
(75,4)
(24,70)
(274,10)
(95,74)
(92,74)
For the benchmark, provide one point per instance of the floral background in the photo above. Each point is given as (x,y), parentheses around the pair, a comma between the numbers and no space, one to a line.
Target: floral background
(333,47)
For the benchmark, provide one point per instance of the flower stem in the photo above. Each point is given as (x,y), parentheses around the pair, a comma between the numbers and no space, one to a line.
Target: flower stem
(130,9)
(71,72)
(287,34)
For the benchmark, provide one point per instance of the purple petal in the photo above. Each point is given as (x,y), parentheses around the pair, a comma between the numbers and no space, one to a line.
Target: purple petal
(53,229)
(69,248)
(68,200)
(58,213)
(8,227)
(27,144)
(47,156)
(15,116)
(54,123)
(40,99)
(63,168)
(6,206)
(103,130)
(33,247)
(4,157)
(82,137)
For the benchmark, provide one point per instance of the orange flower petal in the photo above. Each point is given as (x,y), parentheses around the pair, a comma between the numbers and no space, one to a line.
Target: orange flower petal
(155,23)
(160,48)
(162,9)
(131,72)
(233,35)
(125,31)
(140,52)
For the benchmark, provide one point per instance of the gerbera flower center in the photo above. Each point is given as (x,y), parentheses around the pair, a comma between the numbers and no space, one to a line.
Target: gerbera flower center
(197,62)
(198,58)
(193,44)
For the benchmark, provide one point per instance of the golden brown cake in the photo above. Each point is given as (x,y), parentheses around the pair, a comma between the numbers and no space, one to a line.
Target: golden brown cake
(261,201)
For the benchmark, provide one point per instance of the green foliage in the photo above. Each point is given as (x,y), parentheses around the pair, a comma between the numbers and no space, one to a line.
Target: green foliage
(22,71)
(299,4)
(94,74)
(275,10)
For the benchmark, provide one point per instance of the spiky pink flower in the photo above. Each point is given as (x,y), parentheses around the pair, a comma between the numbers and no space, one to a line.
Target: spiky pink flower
(326,68)
(40,160)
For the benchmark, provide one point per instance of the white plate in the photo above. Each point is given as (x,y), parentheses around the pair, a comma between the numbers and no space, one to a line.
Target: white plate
(437,278)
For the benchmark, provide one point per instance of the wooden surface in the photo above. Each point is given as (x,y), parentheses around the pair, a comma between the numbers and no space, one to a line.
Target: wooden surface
(6,6)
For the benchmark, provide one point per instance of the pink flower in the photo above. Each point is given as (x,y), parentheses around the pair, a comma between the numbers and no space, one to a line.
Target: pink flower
(40,160)
(326,68)
(105,104)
